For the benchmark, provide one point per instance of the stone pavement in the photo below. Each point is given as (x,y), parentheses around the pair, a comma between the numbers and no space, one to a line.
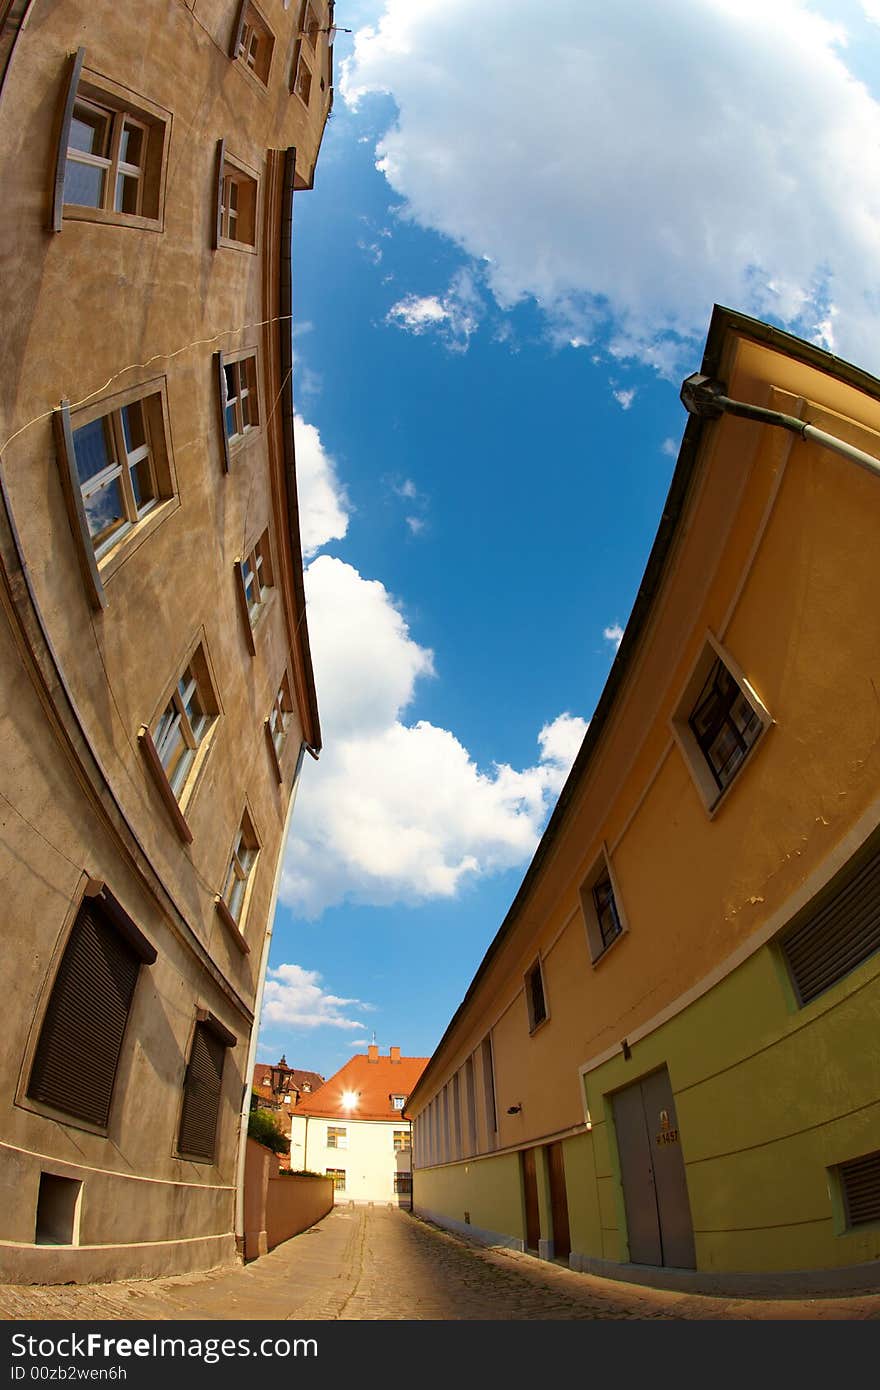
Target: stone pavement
(380,1263)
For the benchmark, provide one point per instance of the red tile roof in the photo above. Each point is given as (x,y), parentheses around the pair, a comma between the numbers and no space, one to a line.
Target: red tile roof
(374,1082)
(263,1078)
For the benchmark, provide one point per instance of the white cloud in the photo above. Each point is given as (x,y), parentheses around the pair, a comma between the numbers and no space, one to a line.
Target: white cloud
(295,997)
(625,398)
(737,166)
(416,524)
(613,634)
(406,489)
(669,447)
(871,10)
(454,316)
(323,505)
(396,811)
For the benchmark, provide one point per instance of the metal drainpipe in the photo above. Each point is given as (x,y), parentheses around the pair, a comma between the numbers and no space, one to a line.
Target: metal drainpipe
(702,396)
(258,1005)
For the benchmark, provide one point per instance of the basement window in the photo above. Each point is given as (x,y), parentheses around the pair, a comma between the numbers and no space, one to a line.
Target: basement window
(57,1211)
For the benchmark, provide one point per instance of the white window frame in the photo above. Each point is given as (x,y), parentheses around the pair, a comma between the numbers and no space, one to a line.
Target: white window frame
(695,760)
(537,964)
(602,868)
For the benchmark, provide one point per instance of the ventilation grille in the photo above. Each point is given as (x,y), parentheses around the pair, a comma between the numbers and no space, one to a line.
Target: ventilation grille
(837,938)
(201,1097)
(860,1184)
(78,1052)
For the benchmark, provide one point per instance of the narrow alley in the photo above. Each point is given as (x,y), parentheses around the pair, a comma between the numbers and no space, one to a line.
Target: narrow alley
(379,1263)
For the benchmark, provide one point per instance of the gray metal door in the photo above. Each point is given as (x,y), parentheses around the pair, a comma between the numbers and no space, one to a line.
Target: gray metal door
(658,1213)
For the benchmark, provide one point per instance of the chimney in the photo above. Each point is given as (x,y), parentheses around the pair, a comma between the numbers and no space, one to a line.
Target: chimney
(373,1053)
(394,1054)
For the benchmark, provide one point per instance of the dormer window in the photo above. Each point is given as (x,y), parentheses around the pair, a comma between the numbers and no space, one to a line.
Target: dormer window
(398,1102)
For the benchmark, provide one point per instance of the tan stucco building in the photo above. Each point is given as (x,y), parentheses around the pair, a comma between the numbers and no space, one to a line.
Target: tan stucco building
(667,1066)
(157,691)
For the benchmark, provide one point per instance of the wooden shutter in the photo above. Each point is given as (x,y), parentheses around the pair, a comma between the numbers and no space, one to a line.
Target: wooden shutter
(860,1185)
(220,379)
(841,934)
(201,1094)
(75,1063)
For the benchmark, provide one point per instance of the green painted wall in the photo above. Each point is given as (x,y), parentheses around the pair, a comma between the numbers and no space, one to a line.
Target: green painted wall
(487,1188)
(769,1098)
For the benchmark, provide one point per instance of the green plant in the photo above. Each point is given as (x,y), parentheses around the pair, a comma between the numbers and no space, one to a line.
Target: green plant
(298,1173)
(263,1126)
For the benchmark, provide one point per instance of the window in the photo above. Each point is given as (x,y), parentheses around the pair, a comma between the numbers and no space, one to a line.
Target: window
(255,583)
(859,1181)
(177,740)
(600,904)
(77,1054)
(838,931)
(489,1089)
(237,194)
(254,42)
(111,159)
(197,1137)
(337,1137)
(338,1176)
(241,411)
(724,724)
(401,1140)
(535,997)
(278,724)
(116,473)
(403,1182)
(717,722)
(310,26)
(232,902)
(302,76)
(398,1102)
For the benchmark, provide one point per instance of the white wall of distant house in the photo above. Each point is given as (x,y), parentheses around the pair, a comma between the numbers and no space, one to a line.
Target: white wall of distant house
(368,1159)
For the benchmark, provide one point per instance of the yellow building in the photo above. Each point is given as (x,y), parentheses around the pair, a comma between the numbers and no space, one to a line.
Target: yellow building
(157,692)
(669,1058)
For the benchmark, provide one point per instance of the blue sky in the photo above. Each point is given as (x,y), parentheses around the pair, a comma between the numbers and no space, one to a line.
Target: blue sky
(491,329)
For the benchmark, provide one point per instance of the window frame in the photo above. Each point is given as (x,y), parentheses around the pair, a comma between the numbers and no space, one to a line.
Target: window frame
(88,890)
(99,564)
(179,799)
(251,20)
(337,1132)
(119,104)
(299,63)
(404,1135)
(232,907)
(696,760)
(245,360)
(335,1174)
(537,965)
(601,870)
(232,170)
(277,745)
(257,564)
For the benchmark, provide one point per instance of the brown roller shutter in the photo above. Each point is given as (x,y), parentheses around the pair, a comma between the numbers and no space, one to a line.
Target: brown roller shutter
(860,1184)
(75,1063)
(841,934)
(201,1094)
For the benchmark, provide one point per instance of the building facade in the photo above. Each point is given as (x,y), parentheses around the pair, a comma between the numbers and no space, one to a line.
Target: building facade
(669,1058)
(354,1131)
(157,689)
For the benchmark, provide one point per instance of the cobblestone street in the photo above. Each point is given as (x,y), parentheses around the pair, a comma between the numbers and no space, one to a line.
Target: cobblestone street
(382,1264)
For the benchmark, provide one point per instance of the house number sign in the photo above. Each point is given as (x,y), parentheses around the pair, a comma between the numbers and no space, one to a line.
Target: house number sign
(666,1134)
